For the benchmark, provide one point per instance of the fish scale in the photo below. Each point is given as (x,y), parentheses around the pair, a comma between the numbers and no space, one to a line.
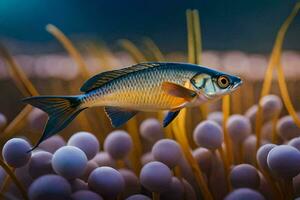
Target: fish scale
(141,90)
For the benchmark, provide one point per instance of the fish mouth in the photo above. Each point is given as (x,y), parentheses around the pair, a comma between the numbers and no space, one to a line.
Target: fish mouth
(237,84)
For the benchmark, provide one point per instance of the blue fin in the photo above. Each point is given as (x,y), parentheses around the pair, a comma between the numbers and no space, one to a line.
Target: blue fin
(60,109)
(170,117)
(118,116)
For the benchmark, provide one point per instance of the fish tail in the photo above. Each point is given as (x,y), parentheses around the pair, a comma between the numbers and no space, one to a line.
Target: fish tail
(60,109)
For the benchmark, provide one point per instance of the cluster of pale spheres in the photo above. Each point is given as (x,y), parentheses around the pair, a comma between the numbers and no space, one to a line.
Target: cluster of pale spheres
(81,169)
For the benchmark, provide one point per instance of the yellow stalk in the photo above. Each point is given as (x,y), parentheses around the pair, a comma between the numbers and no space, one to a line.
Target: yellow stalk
(227,141)
(275,62)
(179,128)
(74,53)
(18,75)
(67,44)
(190,37)
(135,53)
(153,48)
(14,179)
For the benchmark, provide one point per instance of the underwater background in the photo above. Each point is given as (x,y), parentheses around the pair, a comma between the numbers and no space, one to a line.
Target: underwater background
(244,146)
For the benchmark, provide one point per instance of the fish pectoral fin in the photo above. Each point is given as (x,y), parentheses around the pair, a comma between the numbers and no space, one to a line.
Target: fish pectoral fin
(176,90)
(170,117)
(118,116)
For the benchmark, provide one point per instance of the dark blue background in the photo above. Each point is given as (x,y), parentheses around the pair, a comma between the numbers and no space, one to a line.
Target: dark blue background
(248,25)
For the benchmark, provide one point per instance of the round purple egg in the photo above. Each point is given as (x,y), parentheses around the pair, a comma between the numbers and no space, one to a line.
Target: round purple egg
(156,177)
(85,141)
(284,161)
(91,165)
(167,151)
(85,195)
(132,185)
(287,128)
(244,194)
(106,181)
(37,120)
(40,164)
(271,105)
(15,152)
(52,144)
(138,197)
(295,142)
(104,159)
(244,176)
(69,162)
(78,184)
(239,127)
(204,157)
(118,144)
(3,121)
(49,187)
(175,190)
(151,129)
(216,116)
(208,134)
(146,158)
(262,154)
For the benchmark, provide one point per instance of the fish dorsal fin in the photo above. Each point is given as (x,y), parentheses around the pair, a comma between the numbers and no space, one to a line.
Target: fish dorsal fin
(176,90)
(118,116)
(104,77)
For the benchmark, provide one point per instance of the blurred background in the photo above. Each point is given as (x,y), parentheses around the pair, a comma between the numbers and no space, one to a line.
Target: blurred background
(52,47)
(249,26)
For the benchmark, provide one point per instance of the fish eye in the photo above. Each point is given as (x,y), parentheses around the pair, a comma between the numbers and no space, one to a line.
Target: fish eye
(223,82)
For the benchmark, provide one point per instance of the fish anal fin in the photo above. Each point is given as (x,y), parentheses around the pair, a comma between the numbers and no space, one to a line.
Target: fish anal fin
(118,116)
(171,115)
(176,90)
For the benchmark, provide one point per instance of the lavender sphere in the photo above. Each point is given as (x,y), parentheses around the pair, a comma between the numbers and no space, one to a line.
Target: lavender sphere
(146,158)
(295,142)
(40,164)
(271,105)
(262,155)
(175,190)
(167,151)
(216,116)
(239,127)
(244,194)
(15,152)
(208,134)
(104,159)
(251,114)
(85,195)
(78,184)
(156,177)
(151,130)
(91,165)
(69,162)
(37,120)
(132,185)
(204,157)
(138,197)
(52,144)
(118,144)
(287,128)
(284,161)
(50,187)
(85,141)
(244,176)
(3,121)
(106,181)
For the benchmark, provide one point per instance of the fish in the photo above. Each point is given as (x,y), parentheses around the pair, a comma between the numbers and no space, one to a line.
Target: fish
(149,87)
